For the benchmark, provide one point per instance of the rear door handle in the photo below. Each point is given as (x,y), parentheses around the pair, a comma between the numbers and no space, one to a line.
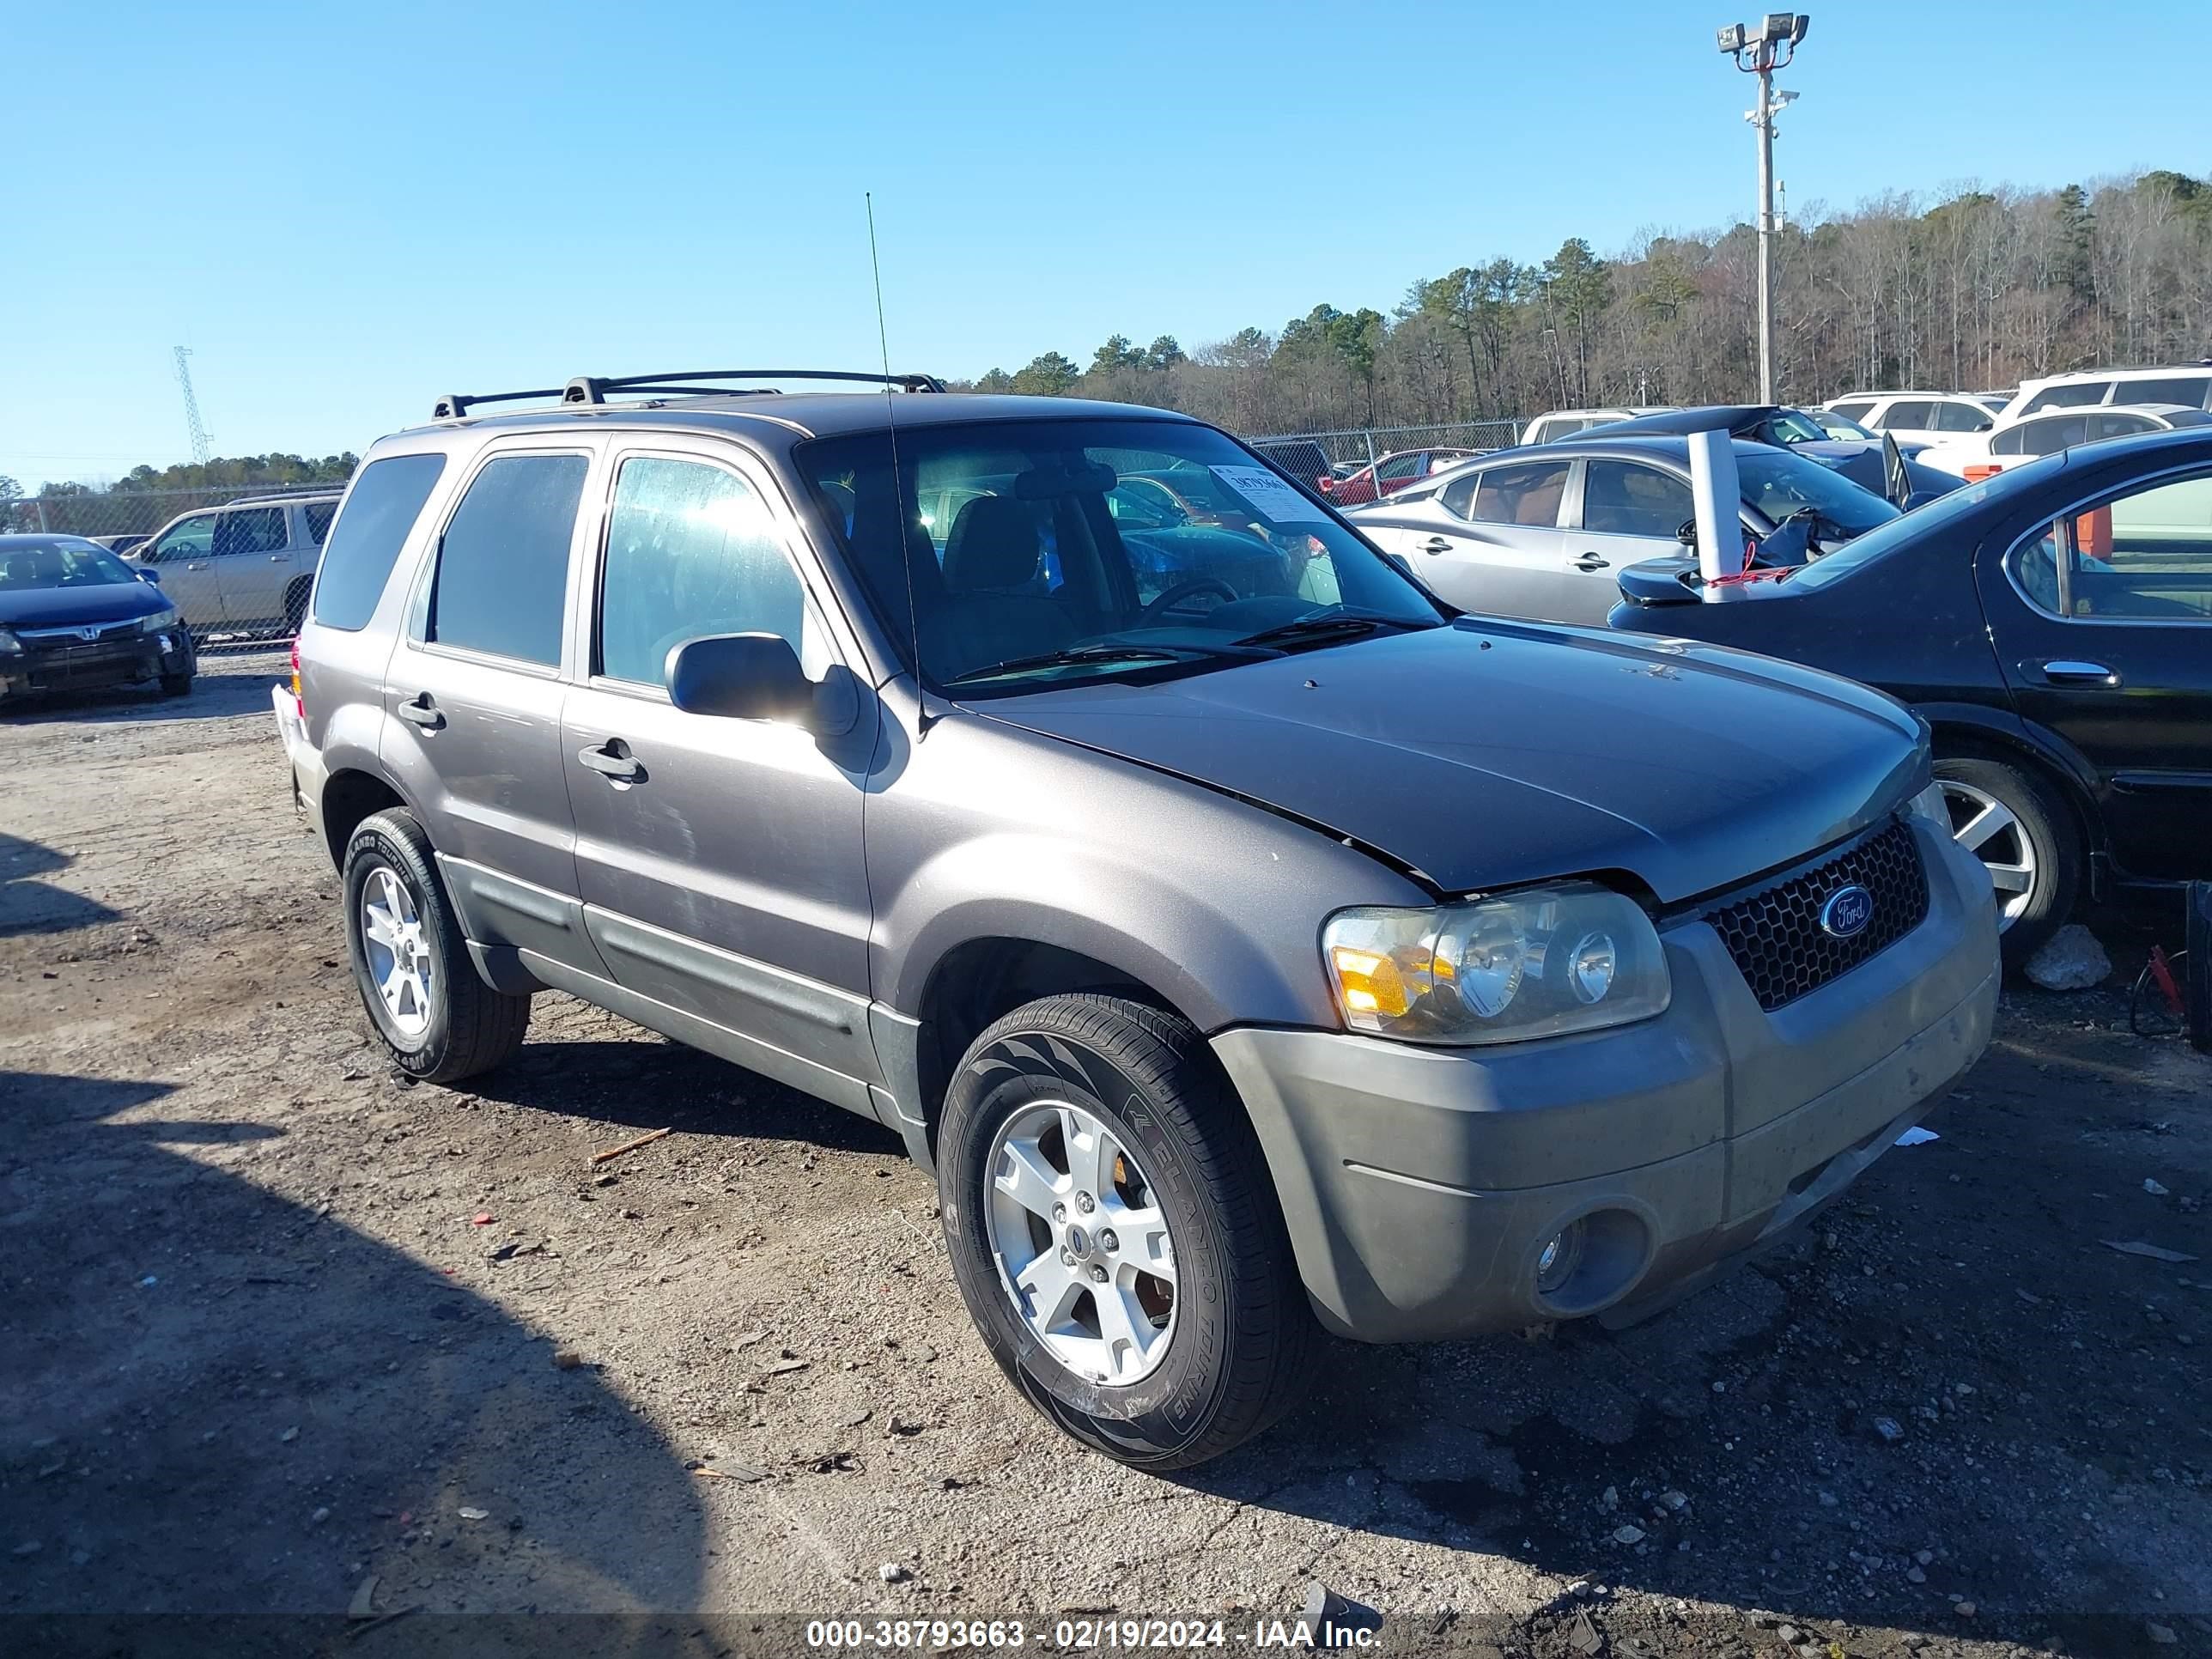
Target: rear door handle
(197,565)
(2066,671)
(1435,544)
(612,759)
(1592,561)
(422,712)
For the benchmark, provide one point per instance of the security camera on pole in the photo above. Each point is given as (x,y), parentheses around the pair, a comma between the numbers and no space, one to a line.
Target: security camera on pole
(1771,46)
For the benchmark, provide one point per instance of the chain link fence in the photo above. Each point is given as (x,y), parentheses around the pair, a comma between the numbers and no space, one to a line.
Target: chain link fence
(126,517)
(1357,464)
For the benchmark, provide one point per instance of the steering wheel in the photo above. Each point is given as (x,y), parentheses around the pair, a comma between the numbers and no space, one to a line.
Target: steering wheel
(1183,589)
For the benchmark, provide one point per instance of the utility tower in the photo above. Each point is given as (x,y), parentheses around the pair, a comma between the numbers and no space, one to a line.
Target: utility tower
(192,407)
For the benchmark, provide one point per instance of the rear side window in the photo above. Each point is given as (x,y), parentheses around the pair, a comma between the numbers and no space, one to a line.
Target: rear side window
(1521,495)
(320,514)
(2192,391)
(252,530)
(502,579)
(1956,417)
(1911,415)
(379,512)
(1851,412)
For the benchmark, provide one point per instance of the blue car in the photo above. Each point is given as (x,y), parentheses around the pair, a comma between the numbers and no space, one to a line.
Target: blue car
(73,616)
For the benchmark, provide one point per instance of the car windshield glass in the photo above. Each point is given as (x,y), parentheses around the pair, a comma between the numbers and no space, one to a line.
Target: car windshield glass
(1039,552)
(60,564)
(1924,525)
(1842,426)
(1778,484)
(1788,427)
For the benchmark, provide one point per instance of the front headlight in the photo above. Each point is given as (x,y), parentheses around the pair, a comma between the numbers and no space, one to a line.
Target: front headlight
(158,620)
(9,645)
(1538,962)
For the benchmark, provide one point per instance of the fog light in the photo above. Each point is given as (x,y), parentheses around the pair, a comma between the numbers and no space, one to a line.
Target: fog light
(1557,1265)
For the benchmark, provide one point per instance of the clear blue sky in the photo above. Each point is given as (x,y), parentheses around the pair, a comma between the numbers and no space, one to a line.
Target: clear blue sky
(346,210)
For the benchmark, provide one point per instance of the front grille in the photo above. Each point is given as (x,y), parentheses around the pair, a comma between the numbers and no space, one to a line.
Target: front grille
(1775,933)
(72,637)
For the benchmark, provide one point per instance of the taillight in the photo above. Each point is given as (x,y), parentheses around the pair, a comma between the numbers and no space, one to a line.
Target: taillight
(298,702)
(1978,471)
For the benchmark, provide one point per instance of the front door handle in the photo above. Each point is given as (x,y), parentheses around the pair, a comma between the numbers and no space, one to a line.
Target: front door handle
(422,711)
(1435,544)
(612,759)
(2066,671)
(278,558)
(1592,561)
(197,565)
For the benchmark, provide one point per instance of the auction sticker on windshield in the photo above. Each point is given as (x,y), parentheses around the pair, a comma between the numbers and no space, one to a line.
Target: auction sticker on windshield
(1275,499)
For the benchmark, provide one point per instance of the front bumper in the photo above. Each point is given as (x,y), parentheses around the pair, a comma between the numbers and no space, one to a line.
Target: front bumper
(1420,1186)
(58,664)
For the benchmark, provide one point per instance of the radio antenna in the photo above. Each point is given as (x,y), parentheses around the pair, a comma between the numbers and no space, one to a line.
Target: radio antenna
(898,490)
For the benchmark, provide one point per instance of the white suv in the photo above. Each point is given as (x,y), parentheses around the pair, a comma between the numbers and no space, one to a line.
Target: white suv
(2190,385)
(244,566)
(1931,417)
(1566,423)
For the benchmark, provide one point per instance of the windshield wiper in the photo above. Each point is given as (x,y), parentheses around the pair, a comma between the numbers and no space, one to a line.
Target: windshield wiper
(1087,653)
(1320,630)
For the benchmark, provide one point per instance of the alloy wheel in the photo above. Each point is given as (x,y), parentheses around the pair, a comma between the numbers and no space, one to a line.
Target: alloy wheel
(1993,833)
(399,962)
(1083,1249)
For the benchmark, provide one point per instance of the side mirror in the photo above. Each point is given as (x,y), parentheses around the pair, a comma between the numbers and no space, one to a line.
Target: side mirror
(147,574)
(756,676)
(1687,534)
(1985,426)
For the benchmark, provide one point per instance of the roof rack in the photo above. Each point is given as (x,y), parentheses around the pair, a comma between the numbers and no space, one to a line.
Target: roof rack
(593,389)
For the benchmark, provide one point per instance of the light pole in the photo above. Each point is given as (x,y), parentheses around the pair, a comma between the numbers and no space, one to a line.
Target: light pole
(1771,46)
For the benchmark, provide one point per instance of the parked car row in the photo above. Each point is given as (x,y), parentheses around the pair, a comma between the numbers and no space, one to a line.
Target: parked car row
(73,617)
(245,566)
(1067,789)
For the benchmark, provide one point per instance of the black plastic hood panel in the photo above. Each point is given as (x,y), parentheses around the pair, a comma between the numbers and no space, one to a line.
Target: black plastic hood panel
(1486,754)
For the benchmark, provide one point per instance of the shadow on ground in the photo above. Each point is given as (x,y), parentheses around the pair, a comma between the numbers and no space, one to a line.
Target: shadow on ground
(366,1410)
(28,905)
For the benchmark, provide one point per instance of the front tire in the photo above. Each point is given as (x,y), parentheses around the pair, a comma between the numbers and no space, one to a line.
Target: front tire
(2016,825)
(1114,1234)
(439,1021)
(176,685)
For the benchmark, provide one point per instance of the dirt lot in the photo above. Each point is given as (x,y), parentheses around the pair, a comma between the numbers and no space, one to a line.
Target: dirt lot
(274,1324)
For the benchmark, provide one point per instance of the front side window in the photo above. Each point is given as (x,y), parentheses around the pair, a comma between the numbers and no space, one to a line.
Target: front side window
(380,510)
(692,551)
(1911,415)
(1622,499)
(1956,417)
(2049,437)
(2119,425)
(2142,555)
(1041,551)
(2071,396)
(1526,495)
(503,578)
(251,530)
(1400,466)
(190,538)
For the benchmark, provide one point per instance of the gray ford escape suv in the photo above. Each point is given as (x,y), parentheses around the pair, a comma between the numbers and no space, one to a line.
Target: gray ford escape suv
(1249,945)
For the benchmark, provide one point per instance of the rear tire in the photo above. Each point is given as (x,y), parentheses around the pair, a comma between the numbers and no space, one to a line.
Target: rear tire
(2036,829)
(445,1023)
(1238,1332)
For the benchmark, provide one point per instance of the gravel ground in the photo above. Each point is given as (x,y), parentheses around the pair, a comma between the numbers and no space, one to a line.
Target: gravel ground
(276,1325)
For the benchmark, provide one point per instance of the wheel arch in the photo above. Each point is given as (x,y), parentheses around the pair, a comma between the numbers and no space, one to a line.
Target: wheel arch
(1966,730)
(349,795)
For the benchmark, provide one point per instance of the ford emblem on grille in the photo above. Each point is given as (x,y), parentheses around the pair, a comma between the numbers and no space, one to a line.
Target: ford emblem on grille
(1846,912)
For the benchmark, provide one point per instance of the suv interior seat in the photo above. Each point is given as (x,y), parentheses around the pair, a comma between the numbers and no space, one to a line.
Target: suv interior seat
(993,609)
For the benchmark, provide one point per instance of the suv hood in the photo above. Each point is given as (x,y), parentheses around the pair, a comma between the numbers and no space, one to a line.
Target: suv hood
(1484,753)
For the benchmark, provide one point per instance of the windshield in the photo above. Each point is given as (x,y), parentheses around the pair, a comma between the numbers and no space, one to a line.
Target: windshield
(1779,484)
(1043,551)
(1842,426)
(1923,524)
(1787,426)
(60,564)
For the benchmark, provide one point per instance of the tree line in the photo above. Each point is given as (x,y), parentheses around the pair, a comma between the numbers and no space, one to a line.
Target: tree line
(1974,291)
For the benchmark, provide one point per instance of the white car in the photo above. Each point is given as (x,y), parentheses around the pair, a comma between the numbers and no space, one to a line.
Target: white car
(1987,453)
(1930,417)
(1566,423)
(2190,385)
